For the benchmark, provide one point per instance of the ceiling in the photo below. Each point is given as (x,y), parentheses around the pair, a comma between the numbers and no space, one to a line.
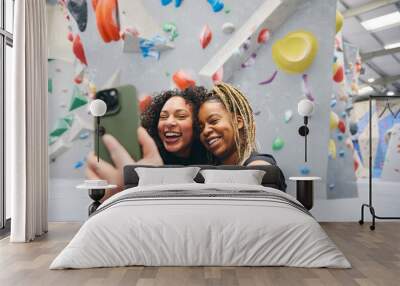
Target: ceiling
(379,64)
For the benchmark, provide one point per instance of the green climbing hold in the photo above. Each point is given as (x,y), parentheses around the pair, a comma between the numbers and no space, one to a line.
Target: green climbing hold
(227,10)
(278,144)
(171,28)
(61,127)
(77,99)
(69,119)
(50,85)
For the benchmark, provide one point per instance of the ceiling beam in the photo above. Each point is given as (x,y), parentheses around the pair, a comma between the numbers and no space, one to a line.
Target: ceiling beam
(378,53)
(386,80)
(372,5)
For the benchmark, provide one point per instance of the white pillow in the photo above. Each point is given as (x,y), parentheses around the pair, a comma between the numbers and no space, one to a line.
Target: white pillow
(164,176)
(248,177)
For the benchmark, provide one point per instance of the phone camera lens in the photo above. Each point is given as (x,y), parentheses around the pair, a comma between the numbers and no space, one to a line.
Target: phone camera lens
(110,97)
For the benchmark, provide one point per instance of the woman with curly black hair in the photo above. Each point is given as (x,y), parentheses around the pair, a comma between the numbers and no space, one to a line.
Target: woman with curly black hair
(170,135)
(171,120)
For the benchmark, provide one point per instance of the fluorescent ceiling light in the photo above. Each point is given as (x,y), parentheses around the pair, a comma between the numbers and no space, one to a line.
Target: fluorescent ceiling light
(365,90)
(371,79)
(390,93)
(392,46)
(382,22)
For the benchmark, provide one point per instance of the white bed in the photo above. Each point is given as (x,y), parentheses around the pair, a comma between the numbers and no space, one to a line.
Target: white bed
(259,226)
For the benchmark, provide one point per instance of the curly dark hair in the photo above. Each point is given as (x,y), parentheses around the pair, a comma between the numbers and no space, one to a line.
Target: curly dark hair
(151,116)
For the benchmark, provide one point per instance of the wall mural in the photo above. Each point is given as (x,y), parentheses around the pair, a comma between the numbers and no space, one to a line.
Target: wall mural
(276,54)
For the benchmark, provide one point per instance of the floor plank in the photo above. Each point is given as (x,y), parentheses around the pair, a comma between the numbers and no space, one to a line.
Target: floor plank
(374,255)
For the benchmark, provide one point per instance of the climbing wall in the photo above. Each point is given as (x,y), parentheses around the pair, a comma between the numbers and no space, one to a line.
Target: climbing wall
(160,45)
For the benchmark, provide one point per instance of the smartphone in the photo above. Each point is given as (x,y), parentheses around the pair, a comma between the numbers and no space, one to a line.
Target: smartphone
(121,120)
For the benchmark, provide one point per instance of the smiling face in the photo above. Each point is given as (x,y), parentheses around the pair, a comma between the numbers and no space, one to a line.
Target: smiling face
(217,133)
(175,126)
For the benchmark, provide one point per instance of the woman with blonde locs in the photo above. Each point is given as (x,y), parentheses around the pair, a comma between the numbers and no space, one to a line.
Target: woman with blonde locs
(228,128)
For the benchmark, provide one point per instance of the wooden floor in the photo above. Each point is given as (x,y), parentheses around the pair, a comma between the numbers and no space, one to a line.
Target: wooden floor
(374,255)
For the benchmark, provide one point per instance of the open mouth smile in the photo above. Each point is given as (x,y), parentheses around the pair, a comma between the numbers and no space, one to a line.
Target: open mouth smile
(213,141)
(171,136)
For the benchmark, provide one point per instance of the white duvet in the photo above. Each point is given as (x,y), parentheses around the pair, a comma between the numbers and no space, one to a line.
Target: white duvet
(182,231)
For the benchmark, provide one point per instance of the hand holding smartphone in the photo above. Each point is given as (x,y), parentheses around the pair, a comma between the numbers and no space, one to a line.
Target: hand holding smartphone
(121,120)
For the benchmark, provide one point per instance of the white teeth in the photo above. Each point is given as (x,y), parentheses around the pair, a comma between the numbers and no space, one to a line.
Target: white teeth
(172,134)
(211,141)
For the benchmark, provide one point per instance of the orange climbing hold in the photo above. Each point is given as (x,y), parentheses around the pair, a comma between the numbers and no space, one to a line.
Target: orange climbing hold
(182,80)
(78,50)
(107,19)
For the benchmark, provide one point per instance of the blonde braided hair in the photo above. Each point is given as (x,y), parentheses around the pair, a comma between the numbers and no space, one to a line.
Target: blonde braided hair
(237,104)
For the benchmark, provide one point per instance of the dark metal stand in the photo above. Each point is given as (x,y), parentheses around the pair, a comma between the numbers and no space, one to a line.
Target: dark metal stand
(369,205)
(303,131)
(96,195)
(305,193)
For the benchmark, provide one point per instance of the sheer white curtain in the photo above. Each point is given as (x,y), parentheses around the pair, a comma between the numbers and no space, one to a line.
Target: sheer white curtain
(26,123)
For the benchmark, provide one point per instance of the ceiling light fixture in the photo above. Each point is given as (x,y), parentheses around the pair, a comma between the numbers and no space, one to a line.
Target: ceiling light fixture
(392,46)
(371,79)
(390,93)
(382,22)
(365,90)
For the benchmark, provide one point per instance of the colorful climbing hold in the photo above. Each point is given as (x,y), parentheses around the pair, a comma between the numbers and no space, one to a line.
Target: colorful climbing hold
(182,80)
(69,119)
(78,50)
(305,170)
(342,126)
(353,128)
(216,5)
(228,28)
(178,3)
(171,29)
(61,127)
(77,99)
(338,74)
(263,36)
(270,79)
(333,120)
(333,103)
(50,85)
(79,11)
(288,115)
(278,144)
(218,75)
(306,87)
(79,164)
(355,165)
(339,21)
(205,36)
(165,2)
(84,135)
(295,52)
(70,37)
(107,20)
(250,61)
(332,149)
(78,78)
